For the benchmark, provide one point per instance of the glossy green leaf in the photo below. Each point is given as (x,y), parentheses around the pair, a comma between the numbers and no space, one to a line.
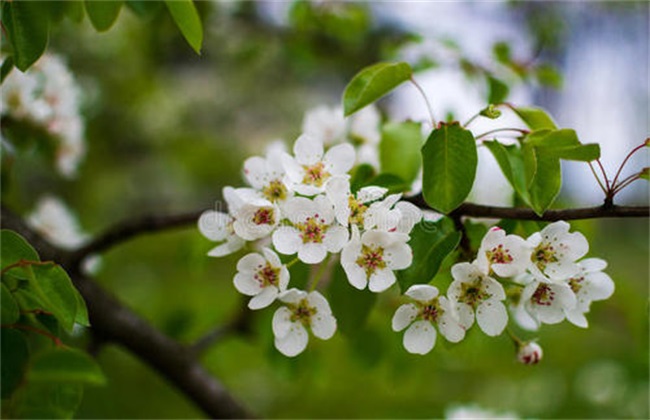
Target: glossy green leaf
(449,159)
(15,355)
(10,311)
(430,242)
(103,14)
(399,150)
(54,289)
(563,144)
(14,248)
(535,118)
(361,176)
(188,21)
(81,316)
(27,26)
(65,366)
(546,181)
(372,83)
(350,306)
(511,162)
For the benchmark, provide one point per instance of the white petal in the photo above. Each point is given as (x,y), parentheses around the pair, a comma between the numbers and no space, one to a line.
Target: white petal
(251,262)
(308,150)
(264,298)
(466,272)
(281,322)
(492,317)
(465,315)
(255,172)
(371,193)
(298,209)
(340,158)
(420,337)
(318,302)
(404,316)
(381,280)
(335,238)
(356,275)
(493,288)
(338,192)
(271,257)
(398,256)
(233,244)
(293,296)
(246,284)
(233,199)
(599,286)
(411,215)
(294,342)
(293,170)
(286,240)
(577,318)
(312,253)
(284,278)
(422,292)
(561,270)
(590,265)
(324,209)
(214,225)
(448,325)
(323,325)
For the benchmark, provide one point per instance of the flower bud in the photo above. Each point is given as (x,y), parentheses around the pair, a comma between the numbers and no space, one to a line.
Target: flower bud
(529,353)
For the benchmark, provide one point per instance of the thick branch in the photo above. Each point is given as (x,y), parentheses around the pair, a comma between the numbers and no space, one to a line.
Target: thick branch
(112,321)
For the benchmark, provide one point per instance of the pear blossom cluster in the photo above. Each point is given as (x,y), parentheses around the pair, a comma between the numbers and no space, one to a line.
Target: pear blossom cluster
(539,280)
(301,207)
(48,97)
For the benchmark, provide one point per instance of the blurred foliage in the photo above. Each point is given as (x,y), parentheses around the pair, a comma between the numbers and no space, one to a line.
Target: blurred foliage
(166,129)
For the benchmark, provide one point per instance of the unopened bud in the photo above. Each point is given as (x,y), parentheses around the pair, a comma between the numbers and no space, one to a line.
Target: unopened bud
(529,353)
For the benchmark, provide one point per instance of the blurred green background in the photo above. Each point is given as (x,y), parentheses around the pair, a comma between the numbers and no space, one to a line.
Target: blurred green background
(167,129)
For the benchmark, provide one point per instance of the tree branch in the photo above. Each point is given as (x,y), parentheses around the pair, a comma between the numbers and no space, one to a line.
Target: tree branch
(114,322)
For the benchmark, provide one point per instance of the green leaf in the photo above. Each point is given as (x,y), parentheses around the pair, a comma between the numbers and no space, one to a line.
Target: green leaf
(10,311)
(7,66)
(449,160)
(535,118)
(563,144)
(361,176)
(43,400)
(65,366)
(372,83)
(644,174)
(54,289)
(399,150)
(103,14)
(430,242)
(27,27)
(188,21)
(501,52)
(15,355)
(548,75)
(350,306)
(546,181)
(511,162)
(145,9)
(393,183)
(497,90)
(490,112)
(14,248)
(81,316)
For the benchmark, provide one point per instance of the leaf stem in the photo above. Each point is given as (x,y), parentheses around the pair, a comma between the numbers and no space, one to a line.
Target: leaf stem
(56,340)
(426,100)
(319,274)
(498,130)
(292,262)
(473,117)
(25,263)
(629,155)
(593,171)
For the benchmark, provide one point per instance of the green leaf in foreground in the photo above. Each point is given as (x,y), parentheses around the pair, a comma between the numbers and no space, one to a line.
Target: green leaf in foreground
(10,311)
(54,289)
(14,360)
(188,21)
(399,150)
(449,160)
(430,242)
(372,83)
(27,26)
(14,248)
(103,14)
(535,118)
(511,162)
(65,366)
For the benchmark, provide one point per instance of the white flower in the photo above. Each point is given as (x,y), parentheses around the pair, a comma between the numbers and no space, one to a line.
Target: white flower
(313,232)
(428,310)
(348,208)
(325,124)
(310,170)
(371,258)
(473,291)
(547,302)
(54,220)
(382,215)
(473,412)
(263,277)
(303,311)
(590,284)
(218,226)
(254,218)
(555,251)
(266,176)
(529,353)
(505,255)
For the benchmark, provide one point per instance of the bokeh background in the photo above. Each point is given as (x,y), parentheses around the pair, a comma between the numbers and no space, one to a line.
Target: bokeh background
(167,129)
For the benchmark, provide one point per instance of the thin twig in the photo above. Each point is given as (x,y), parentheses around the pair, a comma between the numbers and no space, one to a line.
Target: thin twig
(426,100)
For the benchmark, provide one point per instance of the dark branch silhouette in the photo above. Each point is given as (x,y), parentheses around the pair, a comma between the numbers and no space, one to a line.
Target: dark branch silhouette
(113,322)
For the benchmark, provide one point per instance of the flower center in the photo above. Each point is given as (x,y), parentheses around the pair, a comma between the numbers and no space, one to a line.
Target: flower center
(315,174)
(543,254)
(473,293)
(264,216)
(431,311)
(576,283)
(303,312)
(543,295)
(499,255)
(357,210)
(267,275)
(275,191)
(313,230)
(371,259)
